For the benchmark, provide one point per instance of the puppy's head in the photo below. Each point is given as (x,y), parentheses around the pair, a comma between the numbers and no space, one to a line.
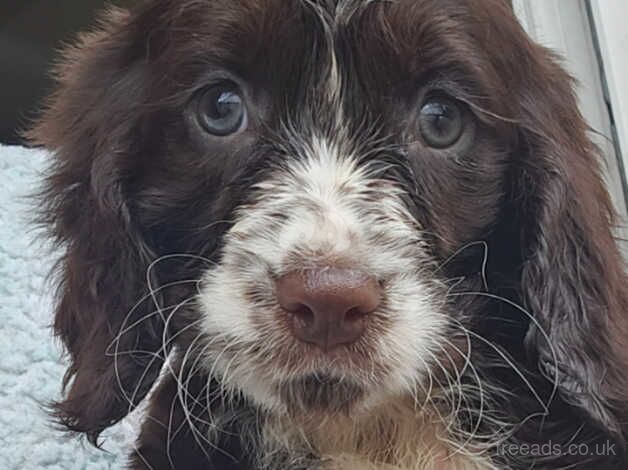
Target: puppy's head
(315,202)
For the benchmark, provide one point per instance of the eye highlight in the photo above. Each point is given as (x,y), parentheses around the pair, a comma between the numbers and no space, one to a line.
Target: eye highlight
(221,110)
(441,121)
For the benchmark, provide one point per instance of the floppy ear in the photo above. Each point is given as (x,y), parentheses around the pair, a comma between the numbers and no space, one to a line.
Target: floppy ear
(92,124)
(573,279)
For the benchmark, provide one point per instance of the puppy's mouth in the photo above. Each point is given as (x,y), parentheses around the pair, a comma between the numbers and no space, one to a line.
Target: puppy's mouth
(315,394)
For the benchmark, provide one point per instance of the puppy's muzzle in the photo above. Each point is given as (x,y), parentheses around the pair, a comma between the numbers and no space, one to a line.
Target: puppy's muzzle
(328,306)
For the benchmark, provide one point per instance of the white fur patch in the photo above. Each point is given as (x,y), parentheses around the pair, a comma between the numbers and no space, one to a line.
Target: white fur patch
(332,210)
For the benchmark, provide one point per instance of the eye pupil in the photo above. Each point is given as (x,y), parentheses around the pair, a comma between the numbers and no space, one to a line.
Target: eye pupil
(441,122)
(221,109)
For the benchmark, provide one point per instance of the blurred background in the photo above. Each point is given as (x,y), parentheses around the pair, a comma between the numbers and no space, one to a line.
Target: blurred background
(30,33)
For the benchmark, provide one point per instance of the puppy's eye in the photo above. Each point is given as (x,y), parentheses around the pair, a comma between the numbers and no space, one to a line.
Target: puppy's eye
(441,122)
(221,110)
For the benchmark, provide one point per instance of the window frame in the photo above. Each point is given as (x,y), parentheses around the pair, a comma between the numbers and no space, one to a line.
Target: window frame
(585,35)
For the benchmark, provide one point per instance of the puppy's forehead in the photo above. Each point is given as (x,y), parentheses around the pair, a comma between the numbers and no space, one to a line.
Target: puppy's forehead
(269,37)
(354,53)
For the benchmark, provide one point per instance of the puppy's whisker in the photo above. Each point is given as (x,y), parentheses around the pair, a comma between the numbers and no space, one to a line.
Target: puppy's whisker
(155,357)
(182,394)
(540,328)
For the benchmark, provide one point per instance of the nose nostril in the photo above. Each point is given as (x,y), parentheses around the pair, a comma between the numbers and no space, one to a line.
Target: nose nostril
(303,310)
(303,314)
(355,314)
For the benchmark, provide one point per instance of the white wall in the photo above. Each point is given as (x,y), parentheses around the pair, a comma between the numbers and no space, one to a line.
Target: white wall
(565,26)
(611,25)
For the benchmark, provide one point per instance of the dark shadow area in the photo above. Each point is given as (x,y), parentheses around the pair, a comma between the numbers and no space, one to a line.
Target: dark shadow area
(31,32)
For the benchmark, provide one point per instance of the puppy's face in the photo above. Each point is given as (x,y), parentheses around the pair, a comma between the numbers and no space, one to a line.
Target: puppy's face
(334,204)
(336,155)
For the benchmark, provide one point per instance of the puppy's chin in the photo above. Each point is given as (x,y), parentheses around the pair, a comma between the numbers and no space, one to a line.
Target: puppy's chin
(320,395)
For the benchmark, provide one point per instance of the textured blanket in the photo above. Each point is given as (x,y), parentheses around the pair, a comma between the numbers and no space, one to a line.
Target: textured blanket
(31,363)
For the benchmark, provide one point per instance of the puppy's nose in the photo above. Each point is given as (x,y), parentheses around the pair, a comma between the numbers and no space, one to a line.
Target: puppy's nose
(328,305)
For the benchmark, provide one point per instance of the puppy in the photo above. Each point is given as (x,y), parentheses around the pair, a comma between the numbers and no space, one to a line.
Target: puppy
(365,234)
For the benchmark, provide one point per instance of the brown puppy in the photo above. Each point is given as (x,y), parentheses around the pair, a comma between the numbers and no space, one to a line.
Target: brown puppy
(368,234)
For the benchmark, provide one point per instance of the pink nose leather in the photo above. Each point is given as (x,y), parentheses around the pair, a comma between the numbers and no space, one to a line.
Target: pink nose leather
(328,305)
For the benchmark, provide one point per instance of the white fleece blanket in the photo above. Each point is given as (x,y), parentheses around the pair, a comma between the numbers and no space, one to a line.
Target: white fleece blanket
(31,364)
